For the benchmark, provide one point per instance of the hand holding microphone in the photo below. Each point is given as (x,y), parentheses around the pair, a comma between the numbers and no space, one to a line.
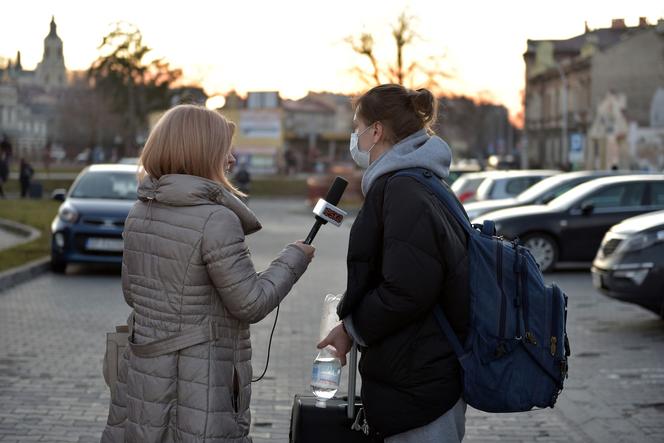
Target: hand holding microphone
(307,249)
(326,210)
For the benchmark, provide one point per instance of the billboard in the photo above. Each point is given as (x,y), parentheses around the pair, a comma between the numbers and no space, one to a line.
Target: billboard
(260,124)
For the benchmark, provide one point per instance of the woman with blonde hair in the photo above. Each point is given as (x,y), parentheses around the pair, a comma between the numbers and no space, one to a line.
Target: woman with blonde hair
(188,276)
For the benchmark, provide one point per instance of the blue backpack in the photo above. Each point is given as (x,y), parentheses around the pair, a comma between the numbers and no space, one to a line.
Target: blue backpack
(515,355)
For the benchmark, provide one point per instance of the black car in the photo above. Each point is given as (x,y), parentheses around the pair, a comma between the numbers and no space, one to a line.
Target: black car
(540,193)
(629,265)
(571,227)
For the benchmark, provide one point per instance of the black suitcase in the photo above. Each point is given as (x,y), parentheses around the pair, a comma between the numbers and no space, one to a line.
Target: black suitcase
(36,190)
(339,421)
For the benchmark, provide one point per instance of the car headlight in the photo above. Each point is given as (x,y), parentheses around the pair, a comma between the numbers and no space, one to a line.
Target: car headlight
(639,242)
(68,214)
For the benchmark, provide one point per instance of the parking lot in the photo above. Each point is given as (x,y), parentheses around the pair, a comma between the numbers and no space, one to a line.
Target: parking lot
(52,341)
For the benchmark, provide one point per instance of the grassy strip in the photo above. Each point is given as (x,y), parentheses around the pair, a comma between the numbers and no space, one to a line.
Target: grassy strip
(13,187)
(278,187)
(36,213)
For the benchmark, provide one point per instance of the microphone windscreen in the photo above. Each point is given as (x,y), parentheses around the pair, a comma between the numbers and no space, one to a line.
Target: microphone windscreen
(336,191)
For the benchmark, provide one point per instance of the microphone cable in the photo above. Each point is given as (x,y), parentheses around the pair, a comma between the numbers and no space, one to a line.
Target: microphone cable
(333,196)
(269,346)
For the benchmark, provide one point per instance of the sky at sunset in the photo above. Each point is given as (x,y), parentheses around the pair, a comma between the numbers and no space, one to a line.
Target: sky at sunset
(294,46)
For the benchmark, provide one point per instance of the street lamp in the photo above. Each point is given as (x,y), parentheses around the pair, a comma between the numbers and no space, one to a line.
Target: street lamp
(563,79)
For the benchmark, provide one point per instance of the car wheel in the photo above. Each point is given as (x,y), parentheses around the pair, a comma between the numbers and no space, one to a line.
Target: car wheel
(58,266)
(544,250)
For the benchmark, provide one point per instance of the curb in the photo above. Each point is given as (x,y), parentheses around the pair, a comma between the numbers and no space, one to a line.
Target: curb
(20,229)
(23,273)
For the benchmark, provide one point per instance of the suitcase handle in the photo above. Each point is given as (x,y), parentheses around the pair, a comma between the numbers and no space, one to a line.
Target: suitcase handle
(352,376)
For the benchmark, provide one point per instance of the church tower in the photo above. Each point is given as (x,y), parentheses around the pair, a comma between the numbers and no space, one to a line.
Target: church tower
(51,72)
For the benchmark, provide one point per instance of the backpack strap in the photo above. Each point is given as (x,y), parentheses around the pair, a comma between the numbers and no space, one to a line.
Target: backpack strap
(435,185)
(449,334)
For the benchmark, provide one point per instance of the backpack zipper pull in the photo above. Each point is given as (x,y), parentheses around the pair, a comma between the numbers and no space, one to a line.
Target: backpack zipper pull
(554,343)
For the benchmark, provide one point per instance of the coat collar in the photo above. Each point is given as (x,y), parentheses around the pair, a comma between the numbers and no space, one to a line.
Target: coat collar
(190,190)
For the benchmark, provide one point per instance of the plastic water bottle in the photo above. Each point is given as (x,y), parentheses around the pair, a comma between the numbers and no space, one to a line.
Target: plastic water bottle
(325,376)
(326,371)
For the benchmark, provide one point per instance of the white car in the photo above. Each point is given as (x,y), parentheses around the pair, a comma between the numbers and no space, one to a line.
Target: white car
(506,184)
(465,187)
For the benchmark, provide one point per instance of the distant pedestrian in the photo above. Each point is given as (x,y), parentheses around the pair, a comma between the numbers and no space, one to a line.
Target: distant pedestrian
(25,177)
(4,172)
(243,180)
(291,162)
(48,151)
(6,148)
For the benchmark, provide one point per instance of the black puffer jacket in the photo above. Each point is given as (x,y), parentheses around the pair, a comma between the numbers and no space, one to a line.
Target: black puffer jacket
(406,254)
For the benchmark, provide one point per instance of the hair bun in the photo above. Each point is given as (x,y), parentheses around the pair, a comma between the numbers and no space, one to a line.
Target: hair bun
(424,104)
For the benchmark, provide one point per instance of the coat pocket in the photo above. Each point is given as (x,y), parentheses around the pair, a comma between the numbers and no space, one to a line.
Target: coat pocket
(235,390)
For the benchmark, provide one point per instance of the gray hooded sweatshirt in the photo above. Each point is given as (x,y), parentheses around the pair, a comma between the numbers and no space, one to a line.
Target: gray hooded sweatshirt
(418,150)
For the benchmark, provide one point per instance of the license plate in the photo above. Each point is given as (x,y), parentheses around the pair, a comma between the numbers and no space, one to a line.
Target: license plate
(597,280)
(104,244)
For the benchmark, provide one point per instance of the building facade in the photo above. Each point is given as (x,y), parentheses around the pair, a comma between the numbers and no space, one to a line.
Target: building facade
(28,98)
(568,80)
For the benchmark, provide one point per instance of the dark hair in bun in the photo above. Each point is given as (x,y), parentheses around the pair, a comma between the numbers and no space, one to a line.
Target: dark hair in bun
(402,111)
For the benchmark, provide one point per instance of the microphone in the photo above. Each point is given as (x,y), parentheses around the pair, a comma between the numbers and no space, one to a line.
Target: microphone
(326,211)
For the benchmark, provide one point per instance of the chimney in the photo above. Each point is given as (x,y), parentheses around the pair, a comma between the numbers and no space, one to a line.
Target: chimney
(618,23)
(643,22)
(587,29)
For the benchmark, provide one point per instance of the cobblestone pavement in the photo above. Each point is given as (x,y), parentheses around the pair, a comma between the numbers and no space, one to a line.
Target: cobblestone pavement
(52,341)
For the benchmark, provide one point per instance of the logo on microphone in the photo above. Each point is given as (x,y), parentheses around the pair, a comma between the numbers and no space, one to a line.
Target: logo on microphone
(329,213)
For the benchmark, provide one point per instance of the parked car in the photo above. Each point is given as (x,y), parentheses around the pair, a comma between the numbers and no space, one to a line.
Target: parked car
(129,161)
(465,187)
(90,221)
(540,193)
(506,184)
(457,171)
(571,227)
(629,265)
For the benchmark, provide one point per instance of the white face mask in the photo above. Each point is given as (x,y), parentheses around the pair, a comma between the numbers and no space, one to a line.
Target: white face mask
(360,157)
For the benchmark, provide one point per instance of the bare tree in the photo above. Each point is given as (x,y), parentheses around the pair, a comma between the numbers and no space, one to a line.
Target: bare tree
(427,73)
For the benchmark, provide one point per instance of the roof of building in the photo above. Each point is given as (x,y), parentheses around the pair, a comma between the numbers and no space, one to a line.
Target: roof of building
(603,38)
(307,104)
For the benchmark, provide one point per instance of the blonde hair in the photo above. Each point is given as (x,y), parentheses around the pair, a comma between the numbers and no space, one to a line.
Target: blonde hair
(190,140)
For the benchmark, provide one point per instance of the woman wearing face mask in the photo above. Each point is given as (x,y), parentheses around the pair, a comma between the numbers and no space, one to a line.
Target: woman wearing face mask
(406,254)
(186,270)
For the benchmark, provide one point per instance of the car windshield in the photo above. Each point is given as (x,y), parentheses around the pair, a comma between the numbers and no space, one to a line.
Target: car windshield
(568,198)
(106,185)
(554,186)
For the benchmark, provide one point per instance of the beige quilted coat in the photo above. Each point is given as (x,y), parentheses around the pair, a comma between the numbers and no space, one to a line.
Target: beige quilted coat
(186,263)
